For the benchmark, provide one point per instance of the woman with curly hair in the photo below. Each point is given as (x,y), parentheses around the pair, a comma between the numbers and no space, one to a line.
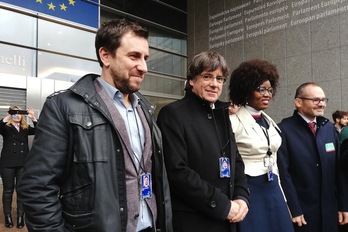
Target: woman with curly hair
(252,86)
(14,130)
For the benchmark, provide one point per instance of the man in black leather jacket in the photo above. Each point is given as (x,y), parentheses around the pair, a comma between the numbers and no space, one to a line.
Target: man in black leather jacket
(85,169)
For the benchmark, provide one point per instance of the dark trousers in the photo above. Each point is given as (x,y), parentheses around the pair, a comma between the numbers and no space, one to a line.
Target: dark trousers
(10,177)
(343,228)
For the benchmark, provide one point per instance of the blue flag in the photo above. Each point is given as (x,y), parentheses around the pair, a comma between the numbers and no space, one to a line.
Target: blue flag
(78,11)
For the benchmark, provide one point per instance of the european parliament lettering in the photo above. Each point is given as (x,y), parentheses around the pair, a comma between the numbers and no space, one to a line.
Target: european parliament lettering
(256,18)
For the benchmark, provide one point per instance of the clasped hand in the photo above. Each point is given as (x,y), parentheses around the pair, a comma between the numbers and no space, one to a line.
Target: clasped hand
(238,211)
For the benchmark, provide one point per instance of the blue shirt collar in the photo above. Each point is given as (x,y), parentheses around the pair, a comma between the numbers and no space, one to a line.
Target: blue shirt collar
(116,94)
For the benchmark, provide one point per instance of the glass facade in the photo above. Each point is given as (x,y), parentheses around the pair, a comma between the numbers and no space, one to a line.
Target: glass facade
(160,85)
(17,25)
(48,50)
(166,63)
(64,68)
(165,13)
(52,49)
(65,40)
(17,60)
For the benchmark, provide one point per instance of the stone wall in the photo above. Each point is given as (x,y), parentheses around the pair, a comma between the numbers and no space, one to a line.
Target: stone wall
(306,39)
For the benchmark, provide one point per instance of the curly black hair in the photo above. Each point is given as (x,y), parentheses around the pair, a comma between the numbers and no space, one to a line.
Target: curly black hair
(248,76)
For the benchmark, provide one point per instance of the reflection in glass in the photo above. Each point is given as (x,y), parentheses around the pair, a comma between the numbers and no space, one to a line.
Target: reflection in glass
(167,63)
(17,60)
(17,25)
(58,67)
(167,42)
(67,40)
(161,84)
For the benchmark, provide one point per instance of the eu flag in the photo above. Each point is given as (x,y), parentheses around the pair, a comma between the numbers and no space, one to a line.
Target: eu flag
(85,12)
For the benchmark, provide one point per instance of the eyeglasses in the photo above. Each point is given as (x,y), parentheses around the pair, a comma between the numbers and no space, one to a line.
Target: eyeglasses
(262,90)
(316,101)
(208,77)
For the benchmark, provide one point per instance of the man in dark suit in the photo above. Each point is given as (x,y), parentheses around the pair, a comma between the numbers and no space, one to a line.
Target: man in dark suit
(311,179)
(197,138)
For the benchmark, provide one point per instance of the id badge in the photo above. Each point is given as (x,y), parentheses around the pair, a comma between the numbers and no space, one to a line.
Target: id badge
(146,185)
(268,161)
(329,147)
(225,170)
(270,173)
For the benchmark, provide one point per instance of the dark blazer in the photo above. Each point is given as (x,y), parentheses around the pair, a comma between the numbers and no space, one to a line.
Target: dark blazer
(193,137)
(15,145)
(343,137)
(310,177)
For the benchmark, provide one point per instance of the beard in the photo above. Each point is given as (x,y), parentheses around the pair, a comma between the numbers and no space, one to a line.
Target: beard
(342,125)
(124,83)
(124,86)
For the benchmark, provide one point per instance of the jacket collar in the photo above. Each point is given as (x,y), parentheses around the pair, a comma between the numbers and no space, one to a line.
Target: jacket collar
(193,97)
(248,118)
(321,121)
(85,84)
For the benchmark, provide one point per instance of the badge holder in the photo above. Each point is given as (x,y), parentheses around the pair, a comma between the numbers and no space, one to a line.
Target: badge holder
(270,173)
(268,162)
(225,167)
(146,185)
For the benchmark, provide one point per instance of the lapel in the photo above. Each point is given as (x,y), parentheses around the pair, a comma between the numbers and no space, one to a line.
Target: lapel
(147,152)
(249,124)
(121,129)
(115,115)
(13,127)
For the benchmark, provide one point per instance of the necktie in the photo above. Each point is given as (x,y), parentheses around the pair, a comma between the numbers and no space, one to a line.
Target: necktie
(312,126)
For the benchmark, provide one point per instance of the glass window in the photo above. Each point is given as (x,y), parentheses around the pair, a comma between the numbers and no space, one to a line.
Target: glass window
(167,42)
(161,12)
(67,40)
(17,60)
(58,67)
(167,63)
(17,28)
(180,45)
(161,84)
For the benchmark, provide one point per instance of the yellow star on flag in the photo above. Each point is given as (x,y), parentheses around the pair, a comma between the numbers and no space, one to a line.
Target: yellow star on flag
(72,2)
(63,7)
(40,1)
(51,6)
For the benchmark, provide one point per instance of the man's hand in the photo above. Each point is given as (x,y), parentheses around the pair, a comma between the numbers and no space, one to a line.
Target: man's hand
(233,211)
(299,220)
(342,218)
(240,214)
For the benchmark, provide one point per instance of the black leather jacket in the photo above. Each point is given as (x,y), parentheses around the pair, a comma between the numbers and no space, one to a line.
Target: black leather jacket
(74,178)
